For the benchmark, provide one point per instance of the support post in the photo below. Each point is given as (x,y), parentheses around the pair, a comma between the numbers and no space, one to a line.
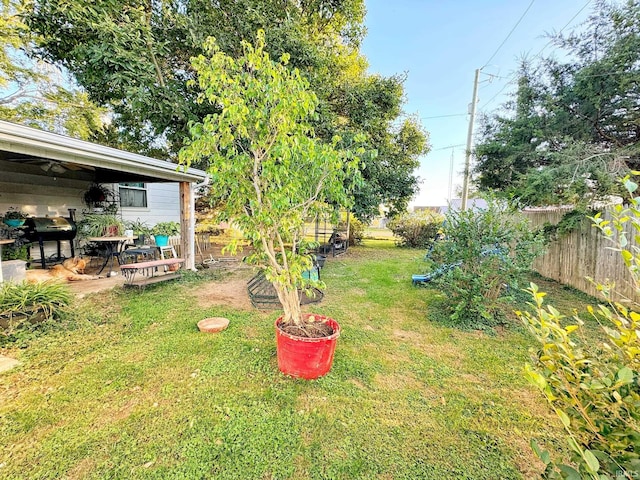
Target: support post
(187,225)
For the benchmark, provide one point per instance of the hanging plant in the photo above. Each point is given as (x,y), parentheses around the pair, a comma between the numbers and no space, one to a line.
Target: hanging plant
(96,194)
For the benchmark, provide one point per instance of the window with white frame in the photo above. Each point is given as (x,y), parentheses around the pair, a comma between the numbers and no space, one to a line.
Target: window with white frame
(133,194)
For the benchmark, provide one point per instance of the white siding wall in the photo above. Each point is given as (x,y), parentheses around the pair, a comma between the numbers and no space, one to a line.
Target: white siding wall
(24,187)
(163,205)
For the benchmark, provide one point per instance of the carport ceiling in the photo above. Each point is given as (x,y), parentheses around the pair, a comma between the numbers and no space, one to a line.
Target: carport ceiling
(76,170)
(65,156)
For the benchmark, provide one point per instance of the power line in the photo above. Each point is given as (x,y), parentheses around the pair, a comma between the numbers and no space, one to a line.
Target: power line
(565,26)
(514,76)
(510,82)
(493,75)
(448,147)
(507,37)
(606,74)
(445,116)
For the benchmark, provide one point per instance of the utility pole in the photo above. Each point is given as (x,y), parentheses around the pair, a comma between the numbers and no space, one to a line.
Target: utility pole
(450,196)
(467,158)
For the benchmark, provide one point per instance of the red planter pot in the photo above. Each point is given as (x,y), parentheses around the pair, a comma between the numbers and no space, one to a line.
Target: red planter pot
(303,357)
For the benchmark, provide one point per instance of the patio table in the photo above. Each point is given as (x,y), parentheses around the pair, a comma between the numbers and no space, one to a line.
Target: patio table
(113,247)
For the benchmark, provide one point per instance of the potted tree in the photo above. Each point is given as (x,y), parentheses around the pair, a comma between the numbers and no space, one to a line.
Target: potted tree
(163,230)
(270,175)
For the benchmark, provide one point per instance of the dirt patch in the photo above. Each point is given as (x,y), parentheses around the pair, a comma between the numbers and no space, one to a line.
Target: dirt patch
(470,378)
(252,332)
(358,384)
(396,382)
(358,292)
(230,292)
(414,337)
(124,412)
(82,468)
(533,401)
(136,357)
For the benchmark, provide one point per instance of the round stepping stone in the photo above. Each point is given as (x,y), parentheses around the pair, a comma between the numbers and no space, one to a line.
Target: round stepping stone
(213,324)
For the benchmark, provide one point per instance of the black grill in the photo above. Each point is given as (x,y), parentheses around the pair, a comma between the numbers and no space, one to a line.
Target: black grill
(51,229)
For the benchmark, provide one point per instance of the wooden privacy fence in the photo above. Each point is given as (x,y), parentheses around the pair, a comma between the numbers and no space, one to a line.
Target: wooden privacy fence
(582,253)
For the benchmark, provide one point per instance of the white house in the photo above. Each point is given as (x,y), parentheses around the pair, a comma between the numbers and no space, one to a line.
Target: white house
(46,174)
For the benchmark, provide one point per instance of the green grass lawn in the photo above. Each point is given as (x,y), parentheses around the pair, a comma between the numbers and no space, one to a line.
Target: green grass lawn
(130,389)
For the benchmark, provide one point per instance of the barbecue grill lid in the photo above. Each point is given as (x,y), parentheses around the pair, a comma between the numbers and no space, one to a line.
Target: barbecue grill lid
(49,224)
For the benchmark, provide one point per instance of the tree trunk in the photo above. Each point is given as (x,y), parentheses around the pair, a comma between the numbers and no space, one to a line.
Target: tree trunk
(290,300)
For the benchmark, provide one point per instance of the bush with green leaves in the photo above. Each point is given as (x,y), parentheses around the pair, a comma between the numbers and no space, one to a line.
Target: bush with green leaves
(20,303)
(482,255)
(594,389)
(18,250)
(416,229)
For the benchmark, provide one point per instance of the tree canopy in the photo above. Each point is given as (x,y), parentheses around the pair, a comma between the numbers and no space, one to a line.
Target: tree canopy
(268,169)
(573,125)
(34,92)
(133,57)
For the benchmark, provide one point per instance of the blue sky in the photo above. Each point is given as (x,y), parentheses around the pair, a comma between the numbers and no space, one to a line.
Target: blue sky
(439,44)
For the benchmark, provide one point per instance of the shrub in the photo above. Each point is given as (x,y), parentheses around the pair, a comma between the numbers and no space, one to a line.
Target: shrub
(417,229)
(20,303)
(17,250)
(483,254)
(594,390)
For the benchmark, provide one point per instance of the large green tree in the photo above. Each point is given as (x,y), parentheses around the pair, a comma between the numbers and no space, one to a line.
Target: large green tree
(34,92)
(574,124)
(134,57)
(268,169)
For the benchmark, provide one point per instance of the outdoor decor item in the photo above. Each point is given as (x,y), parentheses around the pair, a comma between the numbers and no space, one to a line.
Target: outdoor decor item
(213,324)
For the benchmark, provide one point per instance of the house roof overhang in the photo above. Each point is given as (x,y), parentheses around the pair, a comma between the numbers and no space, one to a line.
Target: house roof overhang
(19,142)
